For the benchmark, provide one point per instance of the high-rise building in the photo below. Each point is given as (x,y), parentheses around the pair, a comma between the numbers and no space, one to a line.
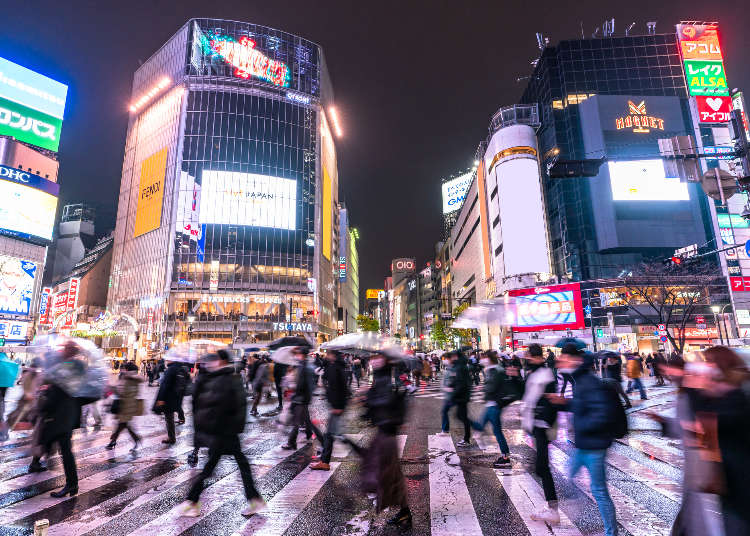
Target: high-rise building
(613,97)
(31,116)
(227,217)
(75,235)
(348,273)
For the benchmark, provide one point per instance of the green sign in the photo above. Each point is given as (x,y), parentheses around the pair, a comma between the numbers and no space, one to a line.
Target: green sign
(706,77)
(29,125)
(599,333)
(737,221)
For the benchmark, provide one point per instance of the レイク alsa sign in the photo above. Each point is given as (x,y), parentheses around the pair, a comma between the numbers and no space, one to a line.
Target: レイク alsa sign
(638,120)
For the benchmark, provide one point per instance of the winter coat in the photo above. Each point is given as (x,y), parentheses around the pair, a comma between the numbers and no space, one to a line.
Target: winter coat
(381,407)
(614,371)
(536,410)
(168,391)
(59,412)
(261,377)
(304,384)
(458,382)
(634,368)
(337,392)
(128,389)
(220,404)
(426,368)
(591,410)
(501,389)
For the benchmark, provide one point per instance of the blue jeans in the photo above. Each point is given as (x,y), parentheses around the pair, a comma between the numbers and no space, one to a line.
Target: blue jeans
(492,415)
(637,383)
(594,461)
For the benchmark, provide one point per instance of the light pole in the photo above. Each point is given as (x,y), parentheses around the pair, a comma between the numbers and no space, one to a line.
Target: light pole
(715,309)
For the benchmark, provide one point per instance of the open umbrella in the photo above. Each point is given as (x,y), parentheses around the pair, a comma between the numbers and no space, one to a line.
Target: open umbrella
(368,341)
(8,371)
(289,341)
(285,356)
(579,344)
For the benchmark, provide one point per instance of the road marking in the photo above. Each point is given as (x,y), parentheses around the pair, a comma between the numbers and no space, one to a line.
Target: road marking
(451,508)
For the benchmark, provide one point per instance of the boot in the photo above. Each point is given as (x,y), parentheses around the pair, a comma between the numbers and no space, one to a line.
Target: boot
(111,445)
(36,467)
(72,490)
(402,518)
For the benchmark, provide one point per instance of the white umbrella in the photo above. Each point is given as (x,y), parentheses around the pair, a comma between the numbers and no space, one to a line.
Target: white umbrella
(285,356)
(368,341)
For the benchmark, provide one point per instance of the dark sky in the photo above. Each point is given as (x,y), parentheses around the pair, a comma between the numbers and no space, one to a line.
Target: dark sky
(415,82)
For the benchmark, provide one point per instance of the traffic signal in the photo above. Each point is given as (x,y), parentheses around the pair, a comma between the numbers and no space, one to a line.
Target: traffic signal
(674,261)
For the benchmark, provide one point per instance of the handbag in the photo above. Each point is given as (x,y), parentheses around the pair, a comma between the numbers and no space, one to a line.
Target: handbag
(114,408)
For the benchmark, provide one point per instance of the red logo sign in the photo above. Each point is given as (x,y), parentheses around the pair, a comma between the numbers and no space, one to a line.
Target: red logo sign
(714,109)
(740,284)
(73,293)
(699,42)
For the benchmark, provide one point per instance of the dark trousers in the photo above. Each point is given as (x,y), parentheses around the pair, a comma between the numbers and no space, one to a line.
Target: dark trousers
(123,426)
(620,391)
(257,395)
(334,422)
(566,379)
(69,462)
(279,392)
(542,464)
(461,413)
(230,447)
(169,417)
(301,413)
(180,413)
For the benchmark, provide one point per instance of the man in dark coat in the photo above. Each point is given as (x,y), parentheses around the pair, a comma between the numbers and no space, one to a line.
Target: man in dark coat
(305,383)
(60,413)
(221,408)
(279,370)
(591,408)
(457,388)
(168,398)
(337,394)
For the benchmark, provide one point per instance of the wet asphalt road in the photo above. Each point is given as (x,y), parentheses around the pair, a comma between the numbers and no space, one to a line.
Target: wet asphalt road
(450,490)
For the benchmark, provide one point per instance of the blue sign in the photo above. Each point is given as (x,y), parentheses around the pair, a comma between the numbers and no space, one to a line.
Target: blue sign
(29,179)
(720,152)
(747,248)
(33,90)
(587,310)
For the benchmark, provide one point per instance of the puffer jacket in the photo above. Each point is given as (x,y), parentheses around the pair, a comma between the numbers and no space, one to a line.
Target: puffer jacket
(220,403)
(128,389)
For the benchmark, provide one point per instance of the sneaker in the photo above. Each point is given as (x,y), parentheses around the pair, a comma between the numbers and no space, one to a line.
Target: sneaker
(320,466)
(190,509)
(444,433)
(501,462)
(550,517)
(254,506)
(463,443)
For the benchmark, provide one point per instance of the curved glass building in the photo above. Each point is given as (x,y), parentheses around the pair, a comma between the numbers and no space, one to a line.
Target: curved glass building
(227,226)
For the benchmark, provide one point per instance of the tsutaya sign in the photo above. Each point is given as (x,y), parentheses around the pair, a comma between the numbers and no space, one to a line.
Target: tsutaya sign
(293,326)
(638,120)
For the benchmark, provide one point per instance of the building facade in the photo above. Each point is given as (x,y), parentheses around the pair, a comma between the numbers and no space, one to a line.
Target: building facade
(227,216)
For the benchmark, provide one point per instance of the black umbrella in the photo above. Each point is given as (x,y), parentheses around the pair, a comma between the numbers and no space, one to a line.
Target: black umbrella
(579,344)
(288,341)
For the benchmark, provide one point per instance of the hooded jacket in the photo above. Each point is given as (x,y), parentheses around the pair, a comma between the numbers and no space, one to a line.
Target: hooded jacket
(220,403)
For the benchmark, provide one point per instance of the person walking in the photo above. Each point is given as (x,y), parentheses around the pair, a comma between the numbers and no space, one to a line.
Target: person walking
(168,398)
(613,370)
(500,389)
(337,394)
(60,414)
(357,369)
(592,410)
(305,382)
(659,364)
(457,389)
(129,405)
(221,407)
(634,369)
(539,420)
(259,383)
(279,371)
(8,373)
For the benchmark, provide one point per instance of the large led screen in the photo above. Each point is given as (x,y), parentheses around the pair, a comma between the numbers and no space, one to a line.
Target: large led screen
(644,180)
(234,198)
(28,206)
(454,192)
(555,307)
(32,90)
(16,285)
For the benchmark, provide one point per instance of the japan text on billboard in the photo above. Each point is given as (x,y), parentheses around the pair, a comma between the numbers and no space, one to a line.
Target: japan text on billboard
(32,90)
(72,301)
(454,192)
(715,109)
(699,42)
(554,307)
(373,293)
(16,285)
(150,193)
(703,59)
(29,126)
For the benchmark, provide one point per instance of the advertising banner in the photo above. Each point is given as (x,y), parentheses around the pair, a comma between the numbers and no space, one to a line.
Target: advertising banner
(555,307)
(73,294)
(44,305)
(706,78)
(454,192)
(29,204)
(30,126)
(16,285)
(31,89)
(248,199)
(150,193)
(714,109)
(738,103)
(13,330)
(372,293)
(699,42)
(214,276)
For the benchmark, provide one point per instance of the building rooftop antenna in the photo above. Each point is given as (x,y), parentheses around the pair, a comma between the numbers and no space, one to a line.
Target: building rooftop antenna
(651,25)
(627,30)
(541,41)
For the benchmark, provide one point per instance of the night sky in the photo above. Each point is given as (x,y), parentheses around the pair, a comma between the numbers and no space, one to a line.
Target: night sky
(415,83)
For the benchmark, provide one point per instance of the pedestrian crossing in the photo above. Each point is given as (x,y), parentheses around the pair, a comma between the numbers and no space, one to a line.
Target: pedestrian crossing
(139,495)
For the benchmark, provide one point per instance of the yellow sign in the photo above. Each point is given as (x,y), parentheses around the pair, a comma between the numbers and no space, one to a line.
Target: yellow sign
(150,193)
(638,120)
(372,293)
(327,214)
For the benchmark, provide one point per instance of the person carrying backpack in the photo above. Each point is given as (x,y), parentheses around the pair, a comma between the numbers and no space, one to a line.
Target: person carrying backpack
(598,418)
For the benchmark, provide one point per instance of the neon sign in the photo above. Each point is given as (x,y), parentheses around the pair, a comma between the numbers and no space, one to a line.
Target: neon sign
(706,77)
(714,109)
(703,60)
(246,59)
(638,120)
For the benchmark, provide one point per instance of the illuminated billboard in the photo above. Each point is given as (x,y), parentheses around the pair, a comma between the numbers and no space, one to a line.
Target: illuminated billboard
(714,109)
(16,285)
(29,204)
(29,126)
(555,307)
(644,180)
(454,192)
(702,58)
(32,90)
(706,77)
(150,193)
(373,293)
(234,198)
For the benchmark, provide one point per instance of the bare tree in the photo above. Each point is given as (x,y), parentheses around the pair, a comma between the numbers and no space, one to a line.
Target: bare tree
(669,295)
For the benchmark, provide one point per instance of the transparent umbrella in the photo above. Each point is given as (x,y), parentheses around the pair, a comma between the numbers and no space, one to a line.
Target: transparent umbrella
(483,314)
(75,365)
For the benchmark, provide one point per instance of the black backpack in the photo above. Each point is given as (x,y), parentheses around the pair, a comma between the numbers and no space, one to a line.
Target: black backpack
(617,419)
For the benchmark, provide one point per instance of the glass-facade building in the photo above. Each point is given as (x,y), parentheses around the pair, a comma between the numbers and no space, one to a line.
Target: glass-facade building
(583,87)
(226,226)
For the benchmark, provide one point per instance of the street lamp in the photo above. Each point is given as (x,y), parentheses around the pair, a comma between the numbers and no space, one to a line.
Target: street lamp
(715,309)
